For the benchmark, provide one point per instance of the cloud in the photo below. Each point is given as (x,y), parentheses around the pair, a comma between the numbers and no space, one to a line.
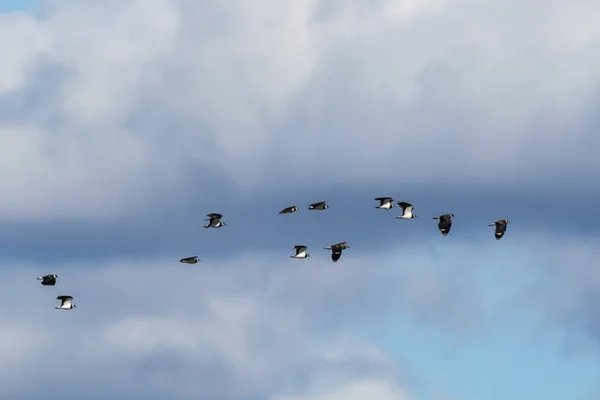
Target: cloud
(111,103)
(263,329)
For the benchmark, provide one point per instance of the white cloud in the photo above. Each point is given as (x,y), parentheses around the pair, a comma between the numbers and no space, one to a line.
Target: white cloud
(276,330)
(128,95)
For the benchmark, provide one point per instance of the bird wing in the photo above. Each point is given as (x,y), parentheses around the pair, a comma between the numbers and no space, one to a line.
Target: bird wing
(286,210)
(336,253)
(320,203)
(384,199)
(404,205)
(188,259)
(64,299)
(214,215)
(340,245)
(300,249)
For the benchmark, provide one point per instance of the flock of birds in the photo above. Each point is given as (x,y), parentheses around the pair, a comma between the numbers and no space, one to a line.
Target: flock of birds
(385,203)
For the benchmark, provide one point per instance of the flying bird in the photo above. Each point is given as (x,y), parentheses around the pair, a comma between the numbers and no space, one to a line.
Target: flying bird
(336,250)
(445,223)
(289,210)
(318,206)
(300,251)
(215,221)
(190,260)
(385,203)
(407,211)
(500,227)
(48,280)
(65,303)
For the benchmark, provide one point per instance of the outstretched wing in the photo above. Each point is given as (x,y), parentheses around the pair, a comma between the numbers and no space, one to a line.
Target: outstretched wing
(384,199)
(405,205)
(336,253)
(65,299)
(500,229)
(214,216)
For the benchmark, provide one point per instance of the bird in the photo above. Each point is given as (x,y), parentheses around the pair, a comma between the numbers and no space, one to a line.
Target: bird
(500,227)
(407,211)
(289,210)
(65,303)
(336,250)
(215,221)
(318,206)
(48,280)
(190,260)
(385,203)
(445,223)
(300,251)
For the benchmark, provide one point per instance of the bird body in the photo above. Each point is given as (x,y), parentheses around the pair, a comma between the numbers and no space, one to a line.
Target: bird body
(215,220)
(300,251)
(500,227)
(336,250)
(321,205)
(190,260)
(445,223)
(289,210)
(407,211)
(65,303)
(385,203)
(48,280)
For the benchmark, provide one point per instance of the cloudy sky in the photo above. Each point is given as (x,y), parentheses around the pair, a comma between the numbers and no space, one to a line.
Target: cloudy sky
(123,123)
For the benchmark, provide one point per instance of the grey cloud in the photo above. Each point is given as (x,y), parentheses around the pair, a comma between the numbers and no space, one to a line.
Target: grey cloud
(177,93)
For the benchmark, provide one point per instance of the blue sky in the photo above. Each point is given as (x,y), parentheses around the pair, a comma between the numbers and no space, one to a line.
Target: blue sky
(124,123)
(17,5)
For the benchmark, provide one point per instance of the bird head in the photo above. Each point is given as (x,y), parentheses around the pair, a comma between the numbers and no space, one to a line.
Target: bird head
(56,276)
(308,255)
(414,215)
(74,306)
(507,221)
(40,278)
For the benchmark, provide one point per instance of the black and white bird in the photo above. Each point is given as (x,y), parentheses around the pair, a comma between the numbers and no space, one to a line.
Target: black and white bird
(445,223)
(500,227)
(48,280)
(215,221)
(289,210)
(65,302)
(190,260)
(321,205)
(407,211)
(336,250)
(385,203)
(300,251)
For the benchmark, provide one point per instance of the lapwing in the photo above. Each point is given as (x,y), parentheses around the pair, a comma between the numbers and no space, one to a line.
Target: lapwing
(215,221)
(318,206)
(385,203)
(445,223)
(48,280)
(65,303)
(289,210)
(500,227)
(190,260)
(300,251)
(336,250)
(407,211)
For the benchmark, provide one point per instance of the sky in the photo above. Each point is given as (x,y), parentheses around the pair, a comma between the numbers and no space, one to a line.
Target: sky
(122,124)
